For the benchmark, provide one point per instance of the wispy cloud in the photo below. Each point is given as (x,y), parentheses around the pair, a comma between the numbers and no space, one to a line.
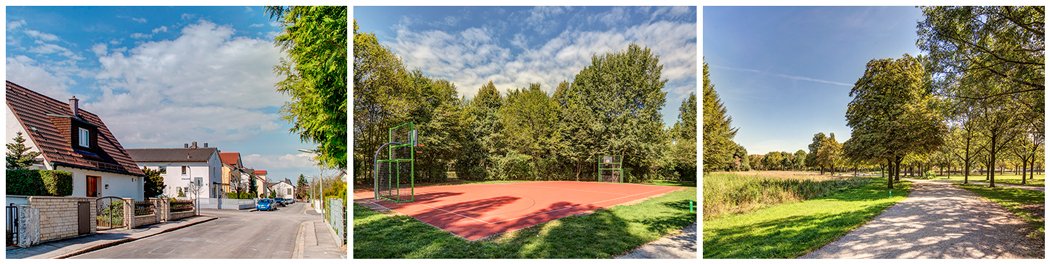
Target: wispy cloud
(781,75)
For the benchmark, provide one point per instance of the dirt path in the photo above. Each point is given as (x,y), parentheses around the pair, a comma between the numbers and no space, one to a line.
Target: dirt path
(937,220)
(677,246)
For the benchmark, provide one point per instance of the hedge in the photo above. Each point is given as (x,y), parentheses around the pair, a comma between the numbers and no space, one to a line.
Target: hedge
(39,182)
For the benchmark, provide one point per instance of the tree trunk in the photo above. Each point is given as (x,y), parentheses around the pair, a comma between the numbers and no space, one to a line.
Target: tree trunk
(889,174)
(1024,167)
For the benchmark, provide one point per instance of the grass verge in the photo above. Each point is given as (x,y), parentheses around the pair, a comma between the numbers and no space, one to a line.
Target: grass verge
(794,229)
(730,193)
(602,234)
(1029,205)
(1009,178)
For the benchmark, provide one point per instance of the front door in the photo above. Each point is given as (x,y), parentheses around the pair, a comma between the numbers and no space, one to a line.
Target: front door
(92,186)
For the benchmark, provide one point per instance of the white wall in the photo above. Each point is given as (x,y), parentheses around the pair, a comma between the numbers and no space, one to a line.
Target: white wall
(119,185)
(209,172)
(283,190)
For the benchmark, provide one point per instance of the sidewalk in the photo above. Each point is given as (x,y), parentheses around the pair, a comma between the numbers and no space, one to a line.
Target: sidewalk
(317,240)
(102,239)
(678,246)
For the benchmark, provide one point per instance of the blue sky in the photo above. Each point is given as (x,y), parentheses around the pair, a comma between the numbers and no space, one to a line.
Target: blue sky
(164,76)
(515,46)
(784,73)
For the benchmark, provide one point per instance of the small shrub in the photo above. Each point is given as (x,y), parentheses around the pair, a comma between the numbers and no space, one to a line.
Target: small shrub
(39,182)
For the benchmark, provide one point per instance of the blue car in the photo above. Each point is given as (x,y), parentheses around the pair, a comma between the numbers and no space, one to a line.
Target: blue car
(264,205)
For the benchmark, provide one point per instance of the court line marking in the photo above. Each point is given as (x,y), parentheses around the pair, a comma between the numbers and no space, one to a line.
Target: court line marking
(577,190)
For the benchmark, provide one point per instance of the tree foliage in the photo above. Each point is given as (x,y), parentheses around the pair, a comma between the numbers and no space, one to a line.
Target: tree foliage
(893,113)
(20,156)
(718,131)
(523,133)
(314,38)
(154,183)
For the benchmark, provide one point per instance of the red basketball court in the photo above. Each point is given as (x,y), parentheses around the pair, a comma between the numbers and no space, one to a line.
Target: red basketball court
(476,211)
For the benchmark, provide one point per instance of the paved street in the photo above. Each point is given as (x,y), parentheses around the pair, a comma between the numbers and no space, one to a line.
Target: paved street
(236,234)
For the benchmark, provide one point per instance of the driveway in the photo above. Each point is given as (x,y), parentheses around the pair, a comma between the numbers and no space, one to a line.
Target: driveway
(235,234)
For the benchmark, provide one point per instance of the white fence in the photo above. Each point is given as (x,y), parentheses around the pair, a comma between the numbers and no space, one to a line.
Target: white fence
(227,204)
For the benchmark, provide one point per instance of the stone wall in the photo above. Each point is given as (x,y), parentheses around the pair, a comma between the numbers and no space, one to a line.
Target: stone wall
(142,220)
(58,216)
(180,215)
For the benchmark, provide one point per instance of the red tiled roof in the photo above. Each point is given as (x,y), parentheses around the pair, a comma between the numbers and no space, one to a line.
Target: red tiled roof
(260,172)
(230,158)
(48,122)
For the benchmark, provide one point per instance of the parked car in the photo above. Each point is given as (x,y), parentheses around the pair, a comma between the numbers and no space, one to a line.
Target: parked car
(280,202)
(264,205)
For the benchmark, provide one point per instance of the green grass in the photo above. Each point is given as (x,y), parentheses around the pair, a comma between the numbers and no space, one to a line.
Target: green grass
(602,234)
(1009,178)
(794,229)
(729,193)
(1026,204)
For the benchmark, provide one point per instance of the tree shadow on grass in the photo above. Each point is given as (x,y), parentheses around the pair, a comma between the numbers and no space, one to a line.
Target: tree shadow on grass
(783,237)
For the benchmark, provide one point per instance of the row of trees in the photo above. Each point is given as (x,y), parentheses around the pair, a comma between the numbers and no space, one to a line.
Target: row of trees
(978,94)
(611,107)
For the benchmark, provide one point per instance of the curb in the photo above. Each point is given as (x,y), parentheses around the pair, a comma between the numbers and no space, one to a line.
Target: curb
(297,252)
(125,240)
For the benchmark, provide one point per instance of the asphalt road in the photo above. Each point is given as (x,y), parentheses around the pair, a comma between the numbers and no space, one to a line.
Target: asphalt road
(235,234)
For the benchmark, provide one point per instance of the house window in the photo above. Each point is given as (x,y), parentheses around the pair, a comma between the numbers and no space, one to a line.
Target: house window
(184,169)
(289,191)
(85,137)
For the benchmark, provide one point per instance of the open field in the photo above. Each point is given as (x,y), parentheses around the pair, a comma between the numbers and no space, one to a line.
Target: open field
(602,234)
(739,192)
(792,229)
(1009,178)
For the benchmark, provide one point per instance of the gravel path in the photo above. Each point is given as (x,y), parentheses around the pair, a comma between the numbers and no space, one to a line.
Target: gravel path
(677,246)
(937,220)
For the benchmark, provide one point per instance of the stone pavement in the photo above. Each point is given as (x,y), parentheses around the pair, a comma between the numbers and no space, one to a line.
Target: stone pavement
(677,246)
(102,239)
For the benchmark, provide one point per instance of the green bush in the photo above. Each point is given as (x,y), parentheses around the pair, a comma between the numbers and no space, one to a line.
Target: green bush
(39,182)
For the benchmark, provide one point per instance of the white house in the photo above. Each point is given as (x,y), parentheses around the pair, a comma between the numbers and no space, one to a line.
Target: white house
(283,189)
(182,166)
(72,139)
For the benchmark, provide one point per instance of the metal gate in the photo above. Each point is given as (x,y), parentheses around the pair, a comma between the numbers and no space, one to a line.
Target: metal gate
(110,212)
(12,224)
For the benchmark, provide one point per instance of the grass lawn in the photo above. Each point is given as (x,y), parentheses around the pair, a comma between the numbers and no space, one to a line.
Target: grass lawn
(1026,204)
(1010,178)
(602,234)
(793,229)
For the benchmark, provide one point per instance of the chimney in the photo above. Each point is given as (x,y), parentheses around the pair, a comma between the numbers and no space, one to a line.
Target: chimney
(205,144)
(74,106)
(186,145)
(193,145)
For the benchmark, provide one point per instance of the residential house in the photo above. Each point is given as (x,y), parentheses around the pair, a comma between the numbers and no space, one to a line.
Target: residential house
(181,166)
(232,172)
(74,140)
(282,189)
(260,182)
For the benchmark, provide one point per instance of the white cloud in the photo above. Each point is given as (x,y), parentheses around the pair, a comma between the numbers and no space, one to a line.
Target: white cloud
(472,57)
(297,160)
(160,29)
(41,35)
(31,74)
(49,48)
(99,49)
(785,76)
(15,24)
(137,35)
(256,25)
(139,19)
(205,84)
